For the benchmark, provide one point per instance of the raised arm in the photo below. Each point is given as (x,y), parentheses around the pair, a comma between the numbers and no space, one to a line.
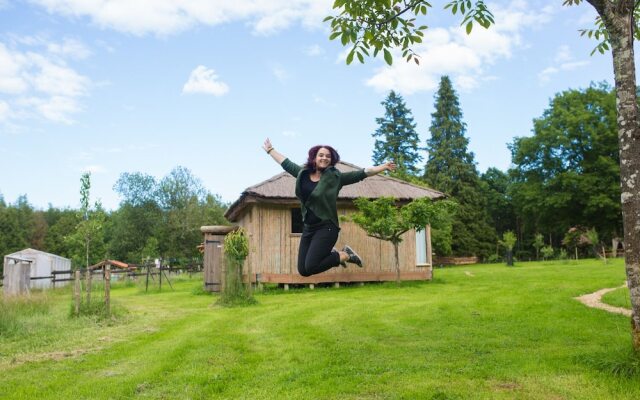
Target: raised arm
(285,163)
(388,166)
(268,147)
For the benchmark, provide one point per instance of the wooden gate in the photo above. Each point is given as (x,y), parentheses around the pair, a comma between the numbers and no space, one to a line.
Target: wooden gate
(213,255)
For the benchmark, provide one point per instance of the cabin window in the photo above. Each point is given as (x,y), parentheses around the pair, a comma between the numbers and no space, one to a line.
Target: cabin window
(296,220)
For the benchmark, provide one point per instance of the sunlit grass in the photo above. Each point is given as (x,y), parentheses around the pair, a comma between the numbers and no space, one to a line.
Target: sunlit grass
(619,298)
(479,332)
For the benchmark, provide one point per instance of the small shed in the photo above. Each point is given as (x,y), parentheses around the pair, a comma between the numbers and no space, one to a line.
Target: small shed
(270,214)
(42,266)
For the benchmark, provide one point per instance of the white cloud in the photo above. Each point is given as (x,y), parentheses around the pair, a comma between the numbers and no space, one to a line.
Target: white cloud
(69,48)
(280,73)
(563,62)
(321,100)
(466,58)
(4,110)
(563,54)
(290,134)
(314,51)
(164,17)
(11,65)
(38,83)
(204,80)
(94,169)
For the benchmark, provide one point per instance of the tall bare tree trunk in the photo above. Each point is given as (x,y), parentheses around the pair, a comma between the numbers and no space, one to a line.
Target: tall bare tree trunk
(618,19)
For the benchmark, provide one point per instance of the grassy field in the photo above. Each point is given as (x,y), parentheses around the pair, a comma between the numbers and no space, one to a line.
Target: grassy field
(618,298)
(474,332)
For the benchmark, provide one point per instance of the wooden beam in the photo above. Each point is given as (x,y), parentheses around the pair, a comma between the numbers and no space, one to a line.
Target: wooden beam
(346,277)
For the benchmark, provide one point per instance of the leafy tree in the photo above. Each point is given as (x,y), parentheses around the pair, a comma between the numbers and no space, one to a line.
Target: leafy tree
(384,220)
(594,240)
(451,169)
(538,242)
(62,223)
(496,187)
(13,228)
(567,173)
(573,238)
(508,241)
(385,25)
(89,231)
(396,137)
(161,217)
(373,26)
(547,252)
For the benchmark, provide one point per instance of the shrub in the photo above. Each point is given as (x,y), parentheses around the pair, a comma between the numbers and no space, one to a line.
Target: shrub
(547,252)
(236,250)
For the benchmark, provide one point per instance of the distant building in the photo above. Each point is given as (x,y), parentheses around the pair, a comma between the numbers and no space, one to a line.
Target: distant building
(42,266)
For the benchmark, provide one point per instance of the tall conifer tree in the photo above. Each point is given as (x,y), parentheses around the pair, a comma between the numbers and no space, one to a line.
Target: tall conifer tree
(451,169)
(396,137)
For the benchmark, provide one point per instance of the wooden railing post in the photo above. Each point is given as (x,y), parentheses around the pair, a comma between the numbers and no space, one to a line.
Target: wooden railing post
(76,292)
(88,289)
(107,289)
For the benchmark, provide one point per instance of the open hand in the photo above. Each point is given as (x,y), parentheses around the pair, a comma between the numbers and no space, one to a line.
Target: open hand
(390,166)
(267,145)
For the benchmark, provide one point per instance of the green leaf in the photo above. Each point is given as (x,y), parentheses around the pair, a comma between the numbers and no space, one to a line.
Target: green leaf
(345,38)
(387,57)
(329,18)
(334,35)
(360,58)
(469,27)
(350,57)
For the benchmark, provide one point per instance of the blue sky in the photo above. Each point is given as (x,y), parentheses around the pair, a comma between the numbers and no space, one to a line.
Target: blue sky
(113,86)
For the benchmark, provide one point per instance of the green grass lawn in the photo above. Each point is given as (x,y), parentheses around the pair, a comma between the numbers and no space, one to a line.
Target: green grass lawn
(618,298)
(474,332)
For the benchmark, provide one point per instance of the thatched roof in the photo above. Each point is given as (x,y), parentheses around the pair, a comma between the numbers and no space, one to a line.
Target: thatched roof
(281,189)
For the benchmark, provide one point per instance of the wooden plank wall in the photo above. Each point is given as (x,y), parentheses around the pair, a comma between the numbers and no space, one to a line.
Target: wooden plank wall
(274,249)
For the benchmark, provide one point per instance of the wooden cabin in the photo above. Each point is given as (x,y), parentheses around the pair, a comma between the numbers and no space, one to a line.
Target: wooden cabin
(270,214)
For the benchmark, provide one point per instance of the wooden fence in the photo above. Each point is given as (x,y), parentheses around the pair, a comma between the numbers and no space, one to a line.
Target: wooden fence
(152,271)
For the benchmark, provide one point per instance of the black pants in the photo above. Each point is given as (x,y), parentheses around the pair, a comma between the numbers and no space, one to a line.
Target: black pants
(315,255)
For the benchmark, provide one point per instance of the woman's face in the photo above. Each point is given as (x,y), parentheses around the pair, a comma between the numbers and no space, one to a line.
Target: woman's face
(323,159)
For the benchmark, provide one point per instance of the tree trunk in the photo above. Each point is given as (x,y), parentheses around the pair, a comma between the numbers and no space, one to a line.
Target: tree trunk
(395,252)
(618,19)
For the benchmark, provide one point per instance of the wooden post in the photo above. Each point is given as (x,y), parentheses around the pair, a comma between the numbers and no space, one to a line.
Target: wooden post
(286,286)
(107,289)
(88,290)
(146,287)
(429,248)
(336,285)
(249,273)
(160,275)
(76,292)
(312,286)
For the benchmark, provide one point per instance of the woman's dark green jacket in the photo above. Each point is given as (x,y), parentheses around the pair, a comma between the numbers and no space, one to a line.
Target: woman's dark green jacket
(322,200)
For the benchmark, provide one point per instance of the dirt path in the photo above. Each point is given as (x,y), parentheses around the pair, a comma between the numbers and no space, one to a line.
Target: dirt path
(594,300)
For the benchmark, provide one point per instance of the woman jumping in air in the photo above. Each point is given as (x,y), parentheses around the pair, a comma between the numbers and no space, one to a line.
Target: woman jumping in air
(318,183)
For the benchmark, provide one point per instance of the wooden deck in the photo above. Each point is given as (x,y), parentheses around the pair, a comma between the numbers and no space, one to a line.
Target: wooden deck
(343,277)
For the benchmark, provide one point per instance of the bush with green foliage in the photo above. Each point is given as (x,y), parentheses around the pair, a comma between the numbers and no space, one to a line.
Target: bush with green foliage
(236,250)
(547,252)
(508,241)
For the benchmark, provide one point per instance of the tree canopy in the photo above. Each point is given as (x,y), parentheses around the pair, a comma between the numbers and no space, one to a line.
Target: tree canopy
(396,137)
